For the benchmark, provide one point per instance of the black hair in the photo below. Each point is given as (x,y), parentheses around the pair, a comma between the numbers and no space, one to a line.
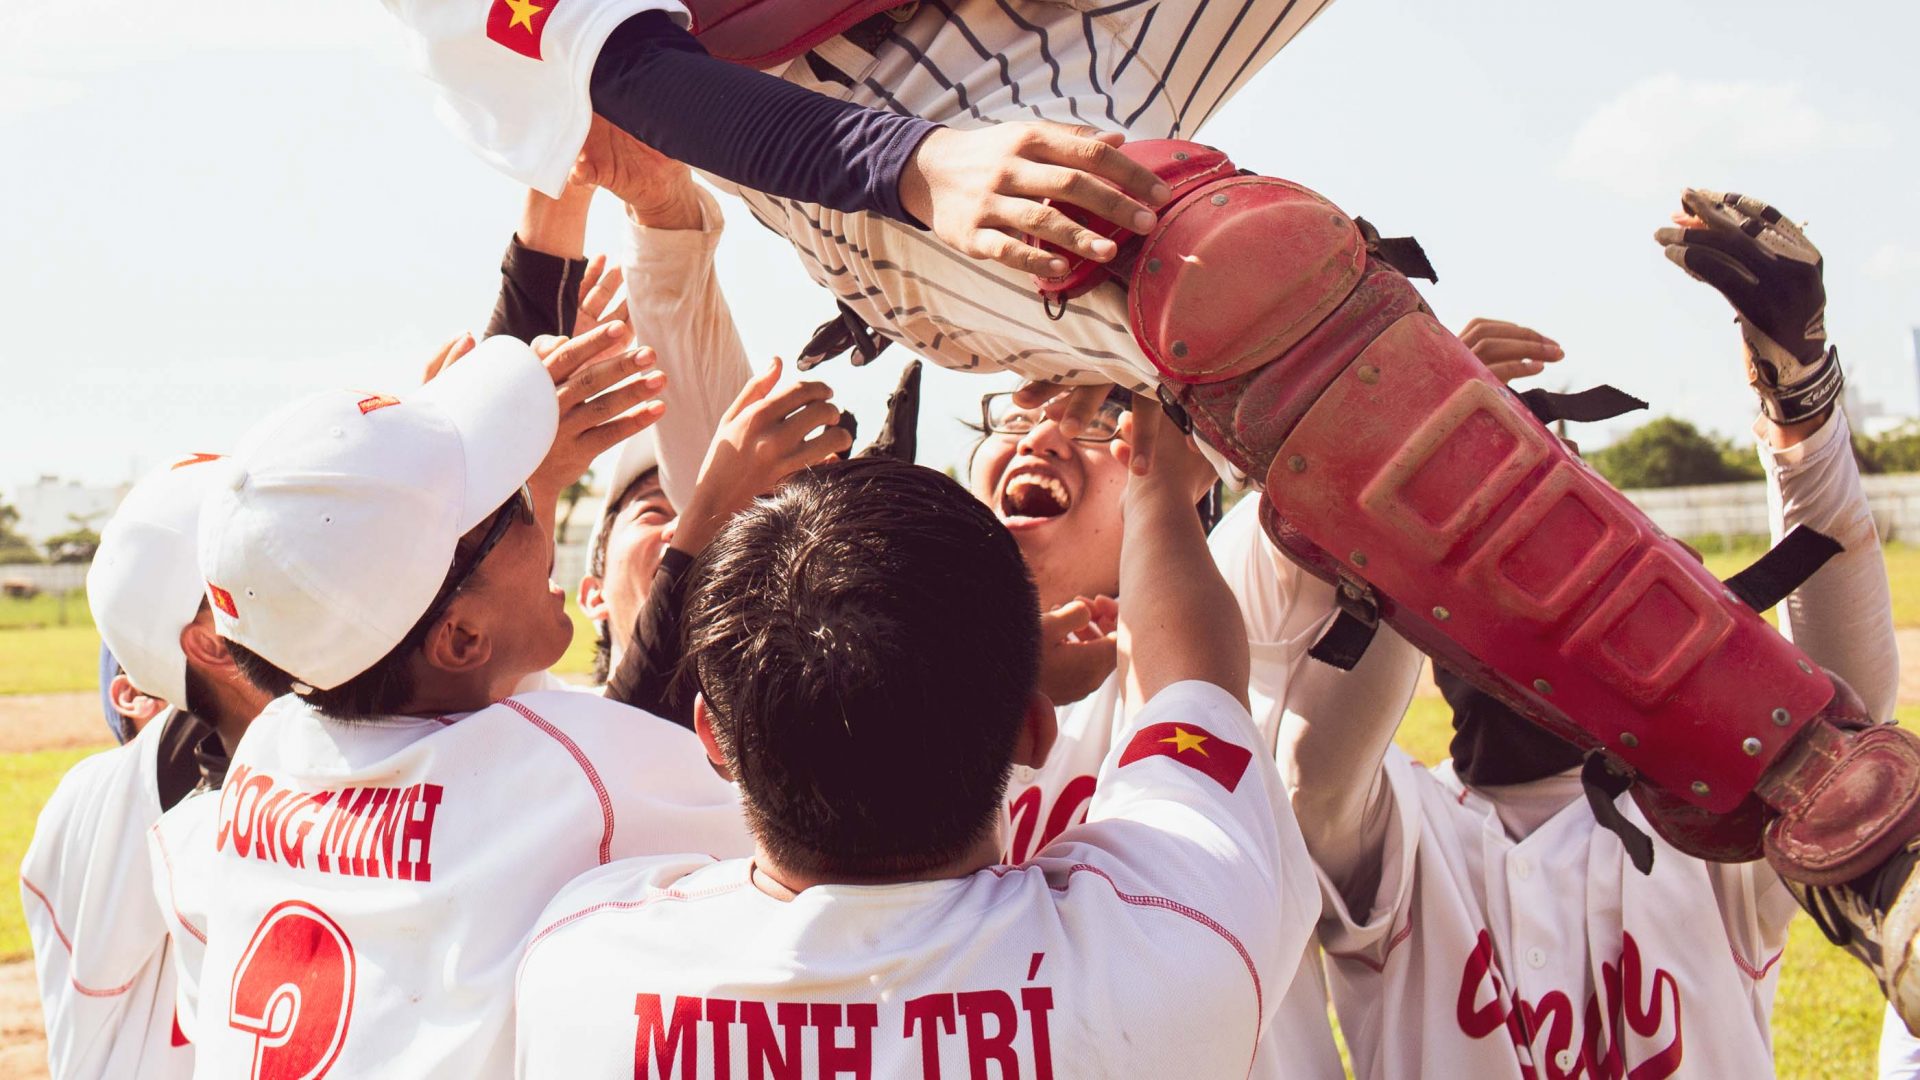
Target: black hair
(866,639)
(597,566)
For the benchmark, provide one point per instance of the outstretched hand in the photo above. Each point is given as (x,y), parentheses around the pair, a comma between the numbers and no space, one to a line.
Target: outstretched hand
(601,402)
(1079,642)
(658,190)
(1509,350)
(980,190)
(764,436)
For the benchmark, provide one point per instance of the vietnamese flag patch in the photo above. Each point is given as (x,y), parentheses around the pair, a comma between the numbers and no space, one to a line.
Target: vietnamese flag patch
(223,600)
(1192,746)
(517,24)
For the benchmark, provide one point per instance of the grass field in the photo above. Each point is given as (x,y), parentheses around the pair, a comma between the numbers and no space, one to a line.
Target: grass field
(25,782)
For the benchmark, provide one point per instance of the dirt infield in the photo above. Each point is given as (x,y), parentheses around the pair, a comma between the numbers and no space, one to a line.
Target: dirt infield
(23,1048)
(50,722)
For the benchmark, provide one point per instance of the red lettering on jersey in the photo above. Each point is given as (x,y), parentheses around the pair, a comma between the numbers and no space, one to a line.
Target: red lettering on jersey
(369,832)
(1069,809)
(1628,999)
(655,1041)
(416,834)
(720,1021)
(929,1013)
(975,1006)
(1037,1001)
(179,1037)
(834,1059)
(518,24)
(764,1057)
(1193,746)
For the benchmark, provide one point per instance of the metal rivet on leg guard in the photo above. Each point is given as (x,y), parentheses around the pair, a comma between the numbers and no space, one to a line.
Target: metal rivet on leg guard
(1180,155)
(1751,746)
(1220,200)
(1367,373)
(1804,666)
(1629,740)
(1297,463)
(1153,266)
(1781,718)
(1442,614)
(1358,558)
(1543,686)
(1700,787)
(1179,348)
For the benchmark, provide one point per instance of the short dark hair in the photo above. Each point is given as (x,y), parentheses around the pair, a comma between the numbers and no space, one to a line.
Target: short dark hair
(866,638)
(597,566)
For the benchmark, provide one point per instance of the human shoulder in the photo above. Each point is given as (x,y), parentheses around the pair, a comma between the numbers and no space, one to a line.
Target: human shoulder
(631,885)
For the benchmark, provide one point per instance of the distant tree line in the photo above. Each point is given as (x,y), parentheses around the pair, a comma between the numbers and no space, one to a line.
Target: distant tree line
(1670,452)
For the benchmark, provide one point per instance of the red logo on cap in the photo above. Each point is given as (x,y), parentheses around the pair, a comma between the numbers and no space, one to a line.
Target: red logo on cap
(517,24)
(194,459)
(376,401)
(223,600)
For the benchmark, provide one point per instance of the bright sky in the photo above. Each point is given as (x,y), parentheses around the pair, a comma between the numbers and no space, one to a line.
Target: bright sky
(214,206)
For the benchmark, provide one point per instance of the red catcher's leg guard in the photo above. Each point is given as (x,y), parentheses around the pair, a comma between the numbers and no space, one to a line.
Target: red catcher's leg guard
(1396,466)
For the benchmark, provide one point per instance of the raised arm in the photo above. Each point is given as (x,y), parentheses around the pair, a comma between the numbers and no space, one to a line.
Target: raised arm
(1178,621)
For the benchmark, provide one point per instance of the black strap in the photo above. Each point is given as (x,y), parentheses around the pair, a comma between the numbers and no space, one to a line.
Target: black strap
(845,331)
(1346,639)
(1784,568)
(1403,253)
(1585,407)
(1603,785)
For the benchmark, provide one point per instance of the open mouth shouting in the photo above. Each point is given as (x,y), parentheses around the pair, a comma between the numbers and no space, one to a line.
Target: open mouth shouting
(1032,494)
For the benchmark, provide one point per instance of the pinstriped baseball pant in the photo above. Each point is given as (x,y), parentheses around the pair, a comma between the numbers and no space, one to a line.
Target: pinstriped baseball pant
(1151,68)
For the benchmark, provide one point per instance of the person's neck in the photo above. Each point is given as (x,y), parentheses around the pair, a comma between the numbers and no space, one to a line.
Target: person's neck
(784,883)
(228,714)
(442,694)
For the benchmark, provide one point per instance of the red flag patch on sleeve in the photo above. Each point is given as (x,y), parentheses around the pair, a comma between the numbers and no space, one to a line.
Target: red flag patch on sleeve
(223,600)
(517,24)
(1192,746)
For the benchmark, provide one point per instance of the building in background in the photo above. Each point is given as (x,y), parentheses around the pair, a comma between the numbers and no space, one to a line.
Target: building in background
(51,507)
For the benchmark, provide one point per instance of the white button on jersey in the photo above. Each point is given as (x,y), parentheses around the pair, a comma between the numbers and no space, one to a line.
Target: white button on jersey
(1522,868)
(1536,959)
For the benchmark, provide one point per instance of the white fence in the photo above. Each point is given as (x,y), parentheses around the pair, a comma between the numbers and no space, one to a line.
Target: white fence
(46,577)
(1731,510)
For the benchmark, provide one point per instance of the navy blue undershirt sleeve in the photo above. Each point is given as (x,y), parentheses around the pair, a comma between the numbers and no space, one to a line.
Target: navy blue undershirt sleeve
(656,83)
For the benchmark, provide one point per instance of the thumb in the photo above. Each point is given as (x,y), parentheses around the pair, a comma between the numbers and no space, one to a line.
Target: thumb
(1055,625)
(757,389)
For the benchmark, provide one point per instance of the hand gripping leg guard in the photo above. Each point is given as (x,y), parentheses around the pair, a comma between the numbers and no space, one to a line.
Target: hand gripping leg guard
(1398,468)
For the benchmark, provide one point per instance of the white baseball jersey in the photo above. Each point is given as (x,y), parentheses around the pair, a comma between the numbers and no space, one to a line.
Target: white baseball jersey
(361,891)
(1548,956)
(99,944)
(1899,1050)
(1148,942)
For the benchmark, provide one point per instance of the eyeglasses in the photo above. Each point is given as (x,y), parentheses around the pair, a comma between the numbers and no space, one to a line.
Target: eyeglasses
(1000,416)
(518,507)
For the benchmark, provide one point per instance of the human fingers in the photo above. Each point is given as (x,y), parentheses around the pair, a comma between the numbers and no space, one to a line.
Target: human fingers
(997,242)
(1147,421)
(459,346)
(1515,369)
(1035,394)
(1133,186)
(830,441)
(617,401)
(757,388)
(597,293)
(1519,343)
(607,371)
(575,352)
(1067,619)
(605,435)
(1026,211)
(784,402)
(1082,404)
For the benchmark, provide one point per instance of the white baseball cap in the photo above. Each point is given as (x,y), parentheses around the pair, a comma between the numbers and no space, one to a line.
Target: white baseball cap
(144,586)
(638,455)
(339,515)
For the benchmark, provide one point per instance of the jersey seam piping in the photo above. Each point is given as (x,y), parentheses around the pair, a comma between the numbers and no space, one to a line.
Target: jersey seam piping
(580,758)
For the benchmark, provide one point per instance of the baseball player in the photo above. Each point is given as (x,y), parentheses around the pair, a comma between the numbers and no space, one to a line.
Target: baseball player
(359,890)
(99,944)
(853,630)
(1480,914)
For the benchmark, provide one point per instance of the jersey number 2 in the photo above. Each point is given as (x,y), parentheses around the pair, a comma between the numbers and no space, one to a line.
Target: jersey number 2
(293,991)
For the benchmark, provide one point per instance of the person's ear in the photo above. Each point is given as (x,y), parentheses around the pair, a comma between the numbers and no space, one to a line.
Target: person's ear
(204,647)
(592,598)
(129,702)
(1039,727)
(457,645)
(703,727)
